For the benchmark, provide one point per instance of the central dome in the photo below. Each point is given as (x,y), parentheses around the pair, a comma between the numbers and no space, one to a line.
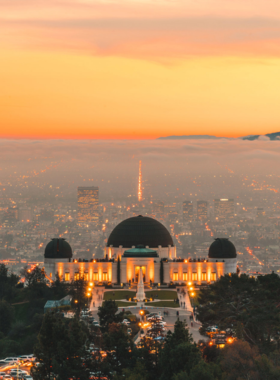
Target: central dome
(140,230)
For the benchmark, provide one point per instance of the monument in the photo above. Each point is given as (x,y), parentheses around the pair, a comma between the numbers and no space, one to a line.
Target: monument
(140,295)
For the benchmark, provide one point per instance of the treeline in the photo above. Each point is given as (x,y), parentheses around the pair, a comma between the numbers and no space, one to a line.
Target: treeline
(22,307)
(63,352)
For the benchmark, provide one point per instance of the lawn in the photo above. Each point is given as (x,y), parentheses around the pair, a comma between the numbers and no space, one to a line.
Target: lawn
(162,294)
(194,300)
(118,295)
(125,304)
(162,304)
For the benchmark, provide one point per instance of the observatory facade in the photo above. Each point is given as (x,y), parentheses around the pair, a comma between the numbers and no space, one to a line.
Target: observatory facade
(140,243)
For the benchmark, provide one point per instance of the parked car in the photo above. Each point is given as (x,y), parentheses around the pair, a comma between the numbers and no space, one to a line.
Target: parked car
(9,360)
(2,374)
(26,358)
(95,323)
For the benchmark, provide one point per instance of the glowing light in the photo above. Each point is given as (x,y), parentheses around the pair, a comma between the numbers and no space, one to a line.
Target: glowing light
(140,183)
(230,340)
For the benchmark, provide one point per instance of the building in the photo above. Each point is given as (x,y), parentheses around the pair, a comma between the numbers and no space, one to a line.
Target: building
(140,242)
(187,211)
(158,207)
(88,205)
(223,208)
(25,215)
(202,210)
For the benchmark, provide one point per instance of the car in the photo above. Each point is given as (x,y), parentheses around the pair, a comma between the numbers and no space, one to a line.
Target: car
(27,377)
(95,323)
(10,360)
(26,358)
(129,331)
(2,374)
(16,371)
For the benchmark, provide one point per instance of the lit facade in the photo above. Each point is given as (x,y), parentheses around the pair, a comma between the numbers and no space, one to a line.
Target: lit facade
(88,204)
(187,211)
(202,210)
(223,208)
(220,261)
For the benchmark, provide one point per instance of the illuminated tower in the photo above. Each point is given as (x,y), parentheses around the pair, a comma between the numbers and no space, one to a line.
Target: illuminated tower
(140,183)
(88,204)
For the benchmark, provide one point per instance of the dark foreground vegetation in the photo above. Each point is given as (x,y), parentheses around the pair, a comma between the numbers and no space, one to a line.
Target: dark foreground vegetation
(68,348)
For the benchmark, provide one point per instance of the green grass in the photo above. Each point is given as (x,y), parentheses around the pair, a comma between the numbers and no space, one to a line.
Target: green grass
(194,300)
(124,304)
(118,295)
(162,294)
(162,304)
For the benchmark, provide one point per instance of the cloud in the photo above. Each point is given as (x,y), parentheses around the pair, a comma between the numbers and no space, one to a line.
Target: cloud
(263,138)
(105,32)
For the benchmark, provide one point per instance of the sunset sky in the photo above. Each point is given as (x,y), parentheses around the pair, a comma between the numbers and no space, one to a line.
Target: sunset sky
(139,69)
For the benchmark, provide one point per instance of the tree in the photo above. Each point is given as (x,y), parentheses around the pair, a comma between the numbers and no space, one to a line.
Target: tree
(238,361)
(137,373)
(8,282)
(249,306)
(148,353)
(200,371)
(78,290)
(34,277)
(161,273)
(107,314)
(119,271)
(60,349)
(6,316)
(179,352)
(119,348)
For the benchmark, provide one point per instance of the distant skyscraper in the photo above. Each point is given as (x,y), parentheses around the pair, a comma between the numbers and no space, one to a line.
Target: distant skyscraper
(224,208)
(140,182)
(88,202)
(202,209)
(158,207)
(187,211)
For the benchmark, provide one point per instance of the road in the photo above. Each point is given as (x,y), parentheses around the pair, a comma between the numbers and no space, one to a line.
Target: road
(170,319)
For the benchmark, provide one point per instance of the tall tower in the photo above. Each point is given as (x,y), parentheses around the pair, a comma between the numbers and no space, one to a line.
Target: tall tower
(140,183)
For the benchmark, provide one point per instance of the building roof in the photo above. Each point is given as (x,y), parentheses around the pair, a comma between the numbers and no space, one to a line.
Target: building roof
(140,230)
(222,248)
(58,249)
(140,251)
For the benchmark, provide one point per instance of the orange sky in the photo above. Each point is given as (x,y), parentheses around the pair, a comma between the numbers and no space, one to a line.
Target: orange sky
(138,69)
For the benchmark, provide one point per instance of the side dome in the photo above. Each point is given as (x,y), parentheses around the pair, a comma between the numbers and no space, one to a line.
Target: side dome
(58,249)
(140,230)
(222,248)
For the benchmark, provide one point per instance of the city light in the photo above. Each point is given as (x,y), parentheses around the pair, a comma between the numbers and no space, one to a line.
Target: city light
(140,182)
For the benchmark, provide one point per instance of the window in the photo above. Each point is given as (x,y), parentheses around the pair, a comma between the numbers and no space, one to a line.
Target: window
(76,276)
(185,276)
(213,276)
(67,276)
(86,276)
(95,276)
(203,278)
(105,277)
(194,276)
(175,276)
